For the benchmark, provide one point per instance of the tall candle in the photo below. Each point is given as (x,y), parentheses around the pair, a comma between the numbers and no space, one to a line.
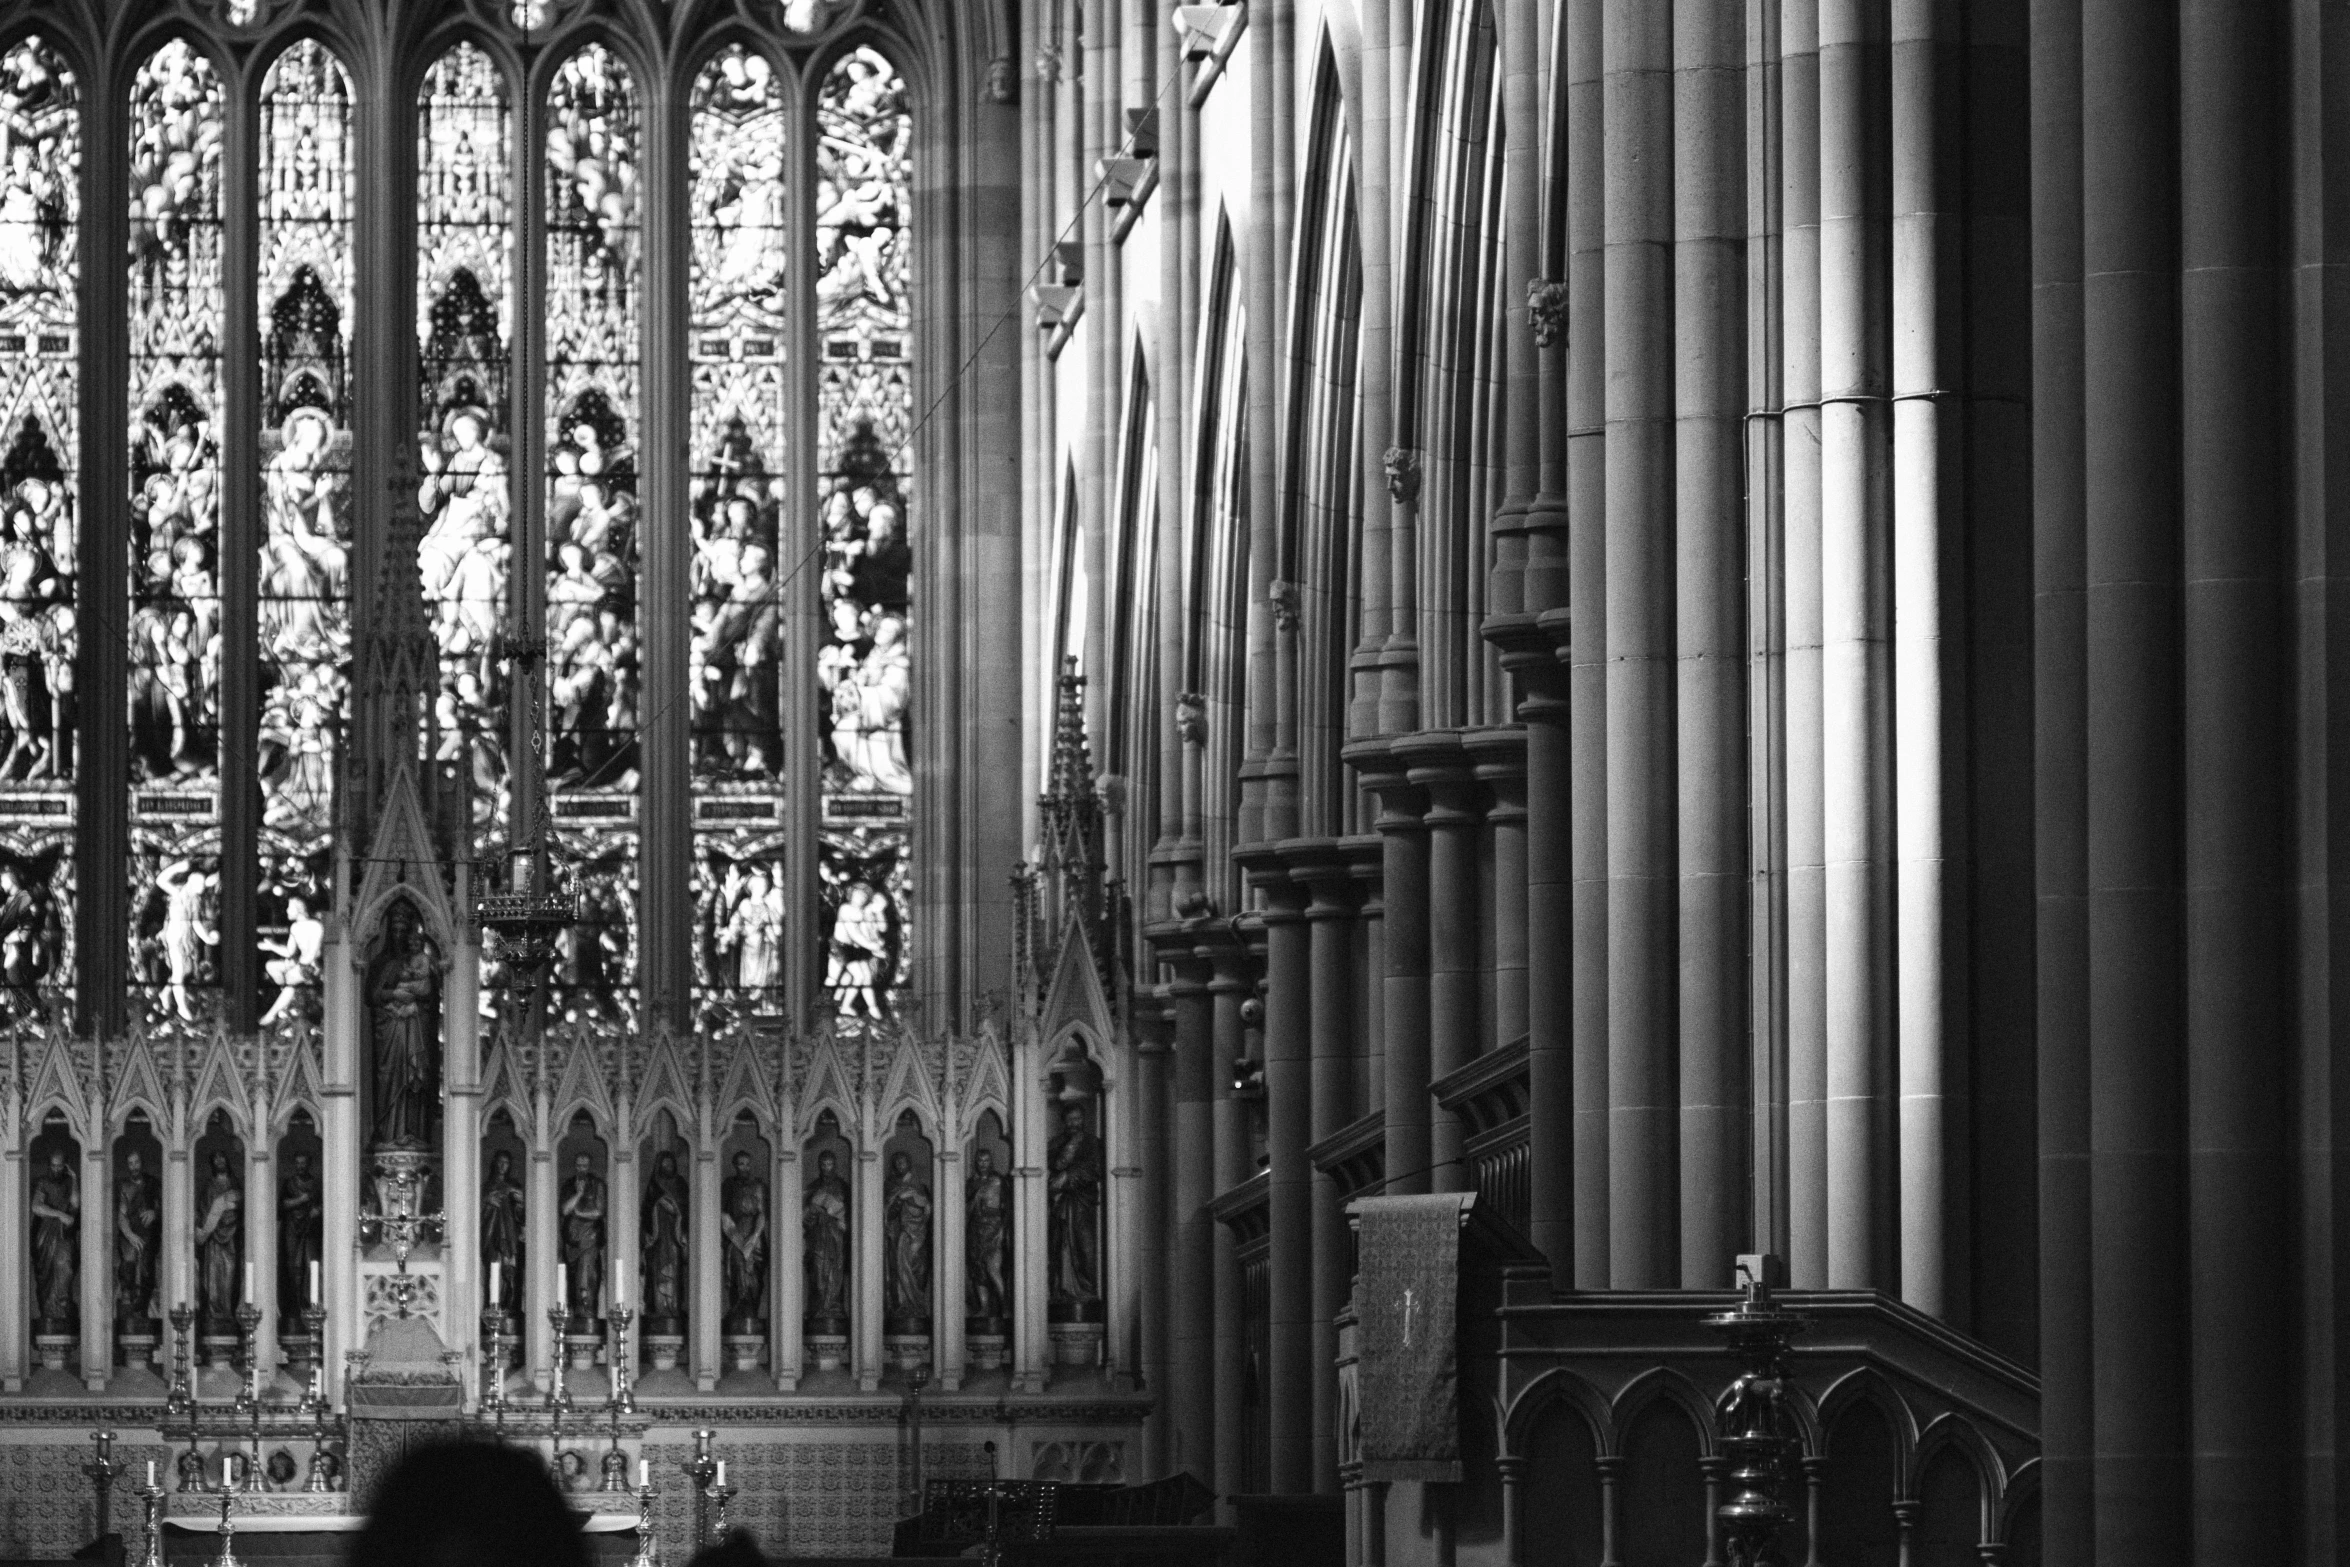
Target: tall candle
(644,1473)
(228,1473)
(314,1296)
(248,1281)
(562,1284)
(495,1297)
(721,1474)
(150,1474)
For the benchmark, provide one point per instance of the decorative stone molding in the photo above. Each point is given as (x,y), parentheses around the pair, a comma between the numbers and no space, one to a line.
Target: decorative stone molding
(1403,474)
(1546,302)
(1191,718)
(1003,80)
(1287,612)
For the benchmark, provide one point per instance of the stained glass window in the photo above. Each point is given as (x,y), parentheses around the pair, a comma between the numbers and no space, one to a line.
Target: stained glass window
(864,425)
(304,315)
(175,303)
(593,414)
(40,439)
(741,413)
(464,340)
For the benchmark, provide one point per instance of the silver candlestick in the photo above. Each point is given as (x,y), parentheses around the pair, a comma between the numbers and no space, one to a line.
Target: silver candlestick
(648,1549)
(151,1539)
(227,1531)
(558,1396)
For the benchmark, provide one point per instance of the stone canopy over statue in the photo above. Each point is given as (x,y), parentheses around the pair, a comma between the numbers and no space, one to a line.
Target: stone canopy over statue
(403,1000)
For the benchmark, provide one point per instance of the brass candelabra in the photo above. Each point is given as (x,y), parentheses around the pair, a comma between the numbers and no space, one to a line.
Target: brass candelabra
(648,1549)
(151,1539)
(702,1469)
(227,1530)
(103,1469)
(180,1400)
(1758,1441)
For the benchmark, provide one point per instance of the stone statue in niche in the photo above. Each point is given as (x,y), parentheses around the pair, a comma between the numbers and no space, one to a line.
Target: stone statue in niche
(404,1030)
(663,1229)
(220,1246)
(824,1241)
(906,1222)
(987,1240)
(300,1225)
(501,1230)
(581,1208)
(1074,1190)
(743,1224)
(57,1237)
(138,1224)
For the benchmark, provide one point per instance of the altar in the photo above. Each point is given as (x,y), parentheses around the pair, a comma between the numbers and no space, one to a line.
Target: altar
(320,1539)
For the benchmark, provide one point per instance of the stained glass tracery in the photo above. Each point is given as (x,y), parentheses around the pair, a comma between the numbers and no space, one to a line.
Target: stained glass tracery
(40,440)
(865,410)
(176,299)
(741,410)
(593,414)
(304,315)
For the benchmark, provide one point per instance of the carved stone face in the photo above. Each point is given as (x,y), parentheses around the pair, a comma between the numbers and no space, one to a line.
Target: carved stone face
(984,1161)
(501,1164)
(825,1163)
(1072,1119)
(56,1162)
(579,1165)
(134,1162)
(742,1164)
(901,1165)
(669,1164)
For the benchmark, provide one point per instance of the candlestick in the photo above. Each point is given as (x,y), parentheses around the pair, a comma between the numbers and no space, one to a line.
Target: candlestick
(152,1554)
(648,1550)
(227,1532)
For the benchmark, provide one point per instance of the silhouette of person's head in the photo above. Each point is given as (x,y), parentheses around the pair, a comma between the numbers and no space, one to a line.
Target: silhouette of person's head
(469,1505)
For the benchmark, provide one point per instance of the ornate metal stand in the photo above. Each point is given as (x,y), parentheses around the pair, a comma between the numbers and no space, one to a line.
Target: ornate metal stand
(620,1316)
(702,1469)
(151,1539)
(227,1532)
(103,1469)
(558,1396)
(180,1401)
(718,1499)
(493,1361)
(648,1549)
(1758,1441)
(615,1459)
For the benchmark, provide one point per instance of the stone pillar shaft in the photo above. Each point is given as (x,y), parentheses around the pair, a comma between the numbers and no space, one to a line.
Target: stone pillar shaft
(1291,1376)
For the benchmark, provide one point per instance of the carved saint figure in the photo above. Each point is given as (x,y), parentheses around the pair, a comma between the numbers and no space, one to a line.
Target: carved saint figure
(824,1240)
(501,1230)
(663,1227)
(582,1211)
(744,1226)
(404,1018)
(57,1231)
(987,1238)
(1074,1190)
(138,1221)
(220,1246)
(300,1219)
(906,1223)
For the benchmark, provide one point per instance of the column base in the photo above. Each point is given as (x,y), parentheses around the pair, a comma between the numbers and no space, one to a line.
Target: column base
(826,1351)
(905,1351)
(662,1350)
(986,1351)
(581,1348)
(137,1350)
(745,1351)
(53,1348)
(1077,1343)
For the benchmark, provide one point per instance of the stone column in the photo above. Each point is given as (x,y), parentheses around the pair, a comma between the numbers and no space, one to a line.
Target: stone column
(1230,988)
(1337,1032)
(1499,758)
(178,1262)
(624,1196)
(1404,943)
(865,1249)
(704,1297)
(1290,1374)
(786,1282)
(545,1248)
(97,1259)
(1193,1301)
(1438,765)
(2060,696)
(1929,695)
(2141,1472)
(1637,140)
(947,1264)
(2237,418)
(1031,1280)
(1586,654)
(261,1240)
(1151,1233)
(1806,851)
(15,1330)
(462,1283)
(1855,617)
(1709,696)
(339,1137)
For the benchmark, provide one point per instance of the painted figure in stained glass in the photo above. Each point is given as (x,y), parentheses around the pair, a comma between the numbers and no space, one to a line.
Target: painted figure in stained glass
(38,175)
(35,944)
(464,246)
(176,117)
(305,305)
